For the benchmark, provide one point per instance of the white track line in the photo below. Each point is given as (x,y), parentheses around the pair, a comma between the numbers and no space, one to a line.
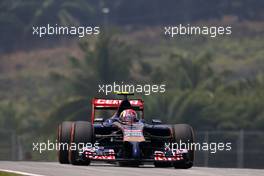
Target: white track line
(21,173)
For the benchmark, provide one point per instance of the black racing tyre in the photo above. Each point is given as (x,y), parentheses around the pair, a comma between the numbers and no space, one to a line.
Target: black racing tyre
(81,133)
(64,137)
(185,134)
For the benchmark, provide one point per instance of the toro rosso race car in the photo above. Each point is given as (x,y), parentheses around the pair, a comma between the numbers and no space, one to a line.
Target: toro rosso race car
(125,138)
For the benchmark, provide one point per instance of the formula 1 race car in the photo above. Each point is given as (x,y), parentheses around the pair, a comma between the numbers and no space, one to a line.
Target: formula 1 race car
(124,138)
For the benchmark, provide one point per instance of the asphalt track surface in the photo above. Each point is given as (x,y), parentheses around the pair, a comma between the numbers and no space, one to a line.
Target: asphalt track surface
(96,169)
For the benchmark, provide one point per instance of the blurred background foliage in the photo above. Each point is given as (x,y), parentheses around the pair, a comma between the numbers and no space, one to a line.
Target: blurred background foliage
(211,83)
(18,17)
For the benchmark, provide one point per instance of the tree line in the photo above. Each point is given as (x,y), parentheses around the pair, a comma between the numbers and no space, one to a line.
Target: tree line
(18,17)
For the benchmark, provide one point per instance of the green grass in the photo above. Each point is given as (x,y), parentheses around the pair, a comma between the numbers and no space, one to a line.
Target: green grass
(8,174)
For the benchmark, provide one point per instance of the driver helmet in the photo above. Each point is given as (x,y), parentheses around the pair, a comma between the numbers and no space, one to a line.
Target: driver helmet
(128,116)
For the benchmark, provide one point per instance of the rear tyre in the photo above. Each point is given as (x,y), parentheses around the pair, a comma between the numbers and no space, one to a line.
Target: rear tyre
(185,134)
(64,137)
(81,133)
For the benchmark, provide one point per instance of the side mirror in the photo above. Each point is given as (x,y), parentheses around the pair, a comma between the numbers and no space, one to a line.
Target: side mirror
(98,120)
(156,121)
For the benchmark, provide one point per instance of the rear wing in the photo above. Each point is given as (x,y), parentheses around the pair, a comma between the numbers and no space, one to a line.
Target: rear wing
(114,103)
(97,103)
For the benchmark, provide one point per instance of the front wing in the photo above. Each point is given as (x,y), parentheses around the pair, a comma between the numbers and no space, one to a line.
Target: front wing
(101,154)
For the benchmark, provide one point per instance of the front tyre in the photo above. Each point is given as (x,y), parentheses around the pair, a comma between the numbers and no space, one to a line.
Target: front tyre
(184,133)
(81,133)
